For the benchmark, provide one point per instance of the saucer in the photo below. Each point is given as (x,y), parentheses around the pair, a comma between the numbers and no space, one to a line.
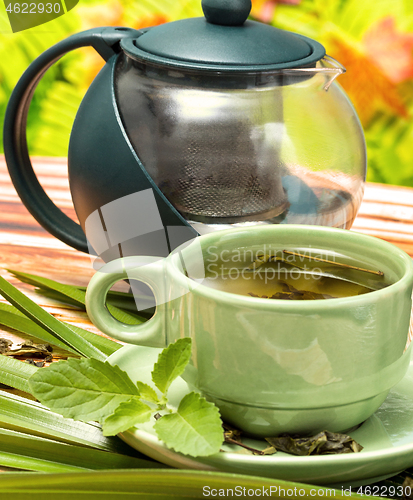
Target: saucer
(386,437)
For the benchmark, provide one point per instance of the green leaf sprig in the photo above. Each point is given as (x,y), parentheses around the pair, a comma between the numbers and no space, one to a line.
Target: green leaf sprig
(90,389)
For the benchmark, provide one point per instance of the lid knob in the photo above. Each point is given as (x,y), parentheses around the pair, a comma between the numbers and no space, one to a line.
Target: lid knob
(226,12)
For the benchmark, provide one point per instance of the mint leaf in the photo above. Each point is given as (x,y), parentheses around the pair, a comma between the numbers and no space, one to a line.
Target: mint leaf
(82,389)
(171,363)
(147,393)
(126,416)
(196,428)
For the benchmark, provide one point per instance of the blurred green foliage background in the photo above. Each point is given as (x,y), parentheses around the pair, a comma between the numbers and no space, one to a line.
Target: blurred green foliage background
(372,38)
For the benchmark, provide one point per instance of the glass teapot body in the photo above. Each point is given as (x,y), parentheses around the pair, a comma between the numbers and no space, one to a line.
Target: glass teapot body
(192,126)
(238,149)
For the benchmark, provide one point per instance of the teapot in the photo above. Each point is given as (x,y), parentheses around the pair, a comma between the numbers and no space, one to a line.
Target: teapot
(194,126)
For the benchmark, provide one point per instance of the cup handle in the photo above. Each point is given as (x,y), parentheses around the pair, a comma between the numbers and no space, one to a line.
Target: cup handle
(149,270)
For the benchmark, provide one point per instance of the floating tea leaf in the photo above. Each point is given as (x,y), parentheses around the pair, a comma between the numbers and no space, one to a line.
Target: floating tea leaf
(259,262)
(291,293)
(323,443)
(332,268)
(334,263)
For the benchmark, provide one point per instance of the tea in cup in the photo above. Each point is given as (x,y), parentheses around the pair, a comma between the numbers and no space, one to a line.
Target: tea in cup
(294,329)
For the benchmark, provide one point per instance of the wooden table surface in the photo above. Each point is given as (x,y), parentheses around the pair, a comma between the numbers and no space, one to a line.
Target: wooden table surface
(386,212)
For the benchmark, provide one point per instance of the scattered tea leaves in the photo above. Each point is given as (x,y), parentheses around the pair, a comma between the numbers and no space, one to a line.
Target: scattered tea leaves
(323,443)
(195,429)
(82,389)
(171,363)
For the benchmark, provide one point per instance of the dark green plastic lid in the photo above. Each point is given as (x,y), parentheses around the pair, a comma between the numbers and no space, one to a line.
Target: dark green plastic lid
(224,41)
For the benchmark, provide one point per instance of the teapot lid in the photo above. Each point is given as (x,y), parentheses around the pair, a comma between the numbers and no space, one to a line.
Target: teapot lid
(223,40)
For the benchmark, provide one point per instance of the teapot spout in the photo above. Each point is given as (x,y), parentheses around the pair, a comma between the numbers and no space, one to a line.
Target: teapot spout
(327,66)
(332,69)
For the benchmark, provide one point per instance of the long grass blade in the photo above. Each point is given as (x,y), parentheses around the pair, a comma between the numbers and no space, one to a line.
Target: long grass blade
(72,292)
(15,373)
(11,317)
(105,345)
(23,414)
(34,453)
(59,297)
(52,325)
(125,301)
(156,484)
(76,294)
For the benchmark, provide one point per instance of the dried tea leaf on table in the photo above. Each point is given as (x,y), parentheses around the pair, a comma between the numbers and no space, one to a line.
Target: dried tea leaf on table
(5,345)
(29,349)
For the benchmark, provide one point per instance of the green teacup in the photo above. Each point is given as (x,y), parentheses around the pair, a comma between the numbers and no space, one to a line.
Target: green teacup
(271,365)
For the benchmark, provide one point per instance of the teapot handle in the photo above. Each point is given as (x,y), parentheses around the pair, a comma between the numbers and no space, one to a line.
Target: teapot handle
(106,42)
